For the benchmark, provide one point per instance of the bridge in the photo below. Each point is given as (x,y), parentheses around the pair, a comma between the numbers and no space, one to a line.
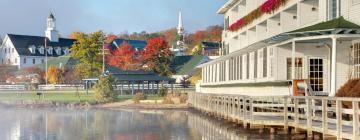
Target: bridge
(328,116)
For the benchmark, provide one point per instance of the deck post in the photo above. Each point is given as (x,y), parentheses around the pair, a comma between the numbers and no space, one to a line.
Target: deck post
(143,87)
(308,117)
(293,59)
(121,87)
(286,119)
(333,67)
(251,110)
(338,119)
(296,111)
(324,117)
(132,87)
(356,132)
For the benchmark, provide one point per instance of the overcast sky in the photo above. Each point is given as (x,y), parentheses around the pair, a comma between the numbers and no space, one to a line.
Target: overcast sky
(113,16)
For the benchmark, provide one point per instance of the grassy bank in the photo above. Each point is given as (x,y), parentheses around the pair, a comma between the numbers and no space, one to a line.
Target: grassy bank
(60,96)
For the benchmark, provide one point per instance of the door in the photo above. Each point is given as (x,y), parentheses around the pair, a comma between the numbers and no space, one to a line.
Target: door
(316,74)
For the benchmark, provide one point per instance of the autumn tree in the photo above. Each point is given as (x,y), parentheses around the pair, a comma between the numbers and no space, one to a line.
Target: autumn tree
(157,56)
(110,37)
(170,35)
(87,49)
(74,35)
(124,57)
(55,75)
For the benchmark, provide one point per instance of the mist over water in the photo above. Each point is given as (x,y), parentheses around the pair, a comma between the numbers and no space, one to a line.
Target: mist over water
(65,124)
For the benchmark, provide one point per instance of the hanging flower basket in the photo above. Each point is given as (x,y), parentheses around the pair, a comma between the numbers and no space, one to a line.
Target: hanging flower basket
(267,7)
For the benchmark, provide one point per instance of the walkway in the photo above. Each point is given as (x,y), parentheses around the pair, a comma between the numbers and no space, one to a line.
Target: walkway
(313,114)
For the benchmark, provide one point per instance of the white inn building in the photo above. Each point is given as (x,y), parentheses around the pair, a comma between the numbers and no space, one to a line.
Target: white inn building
(270,44)
(26,51)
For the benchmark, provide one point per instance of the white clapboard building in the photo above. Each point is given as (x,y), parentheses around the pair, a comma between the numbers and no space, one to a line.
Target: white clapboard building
(26,51)
(270,44)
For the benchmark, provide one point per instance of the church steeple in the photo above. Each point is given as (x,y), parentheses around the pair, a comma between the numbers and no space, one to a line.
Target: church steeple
(179,48)
(51,33)
(180,25)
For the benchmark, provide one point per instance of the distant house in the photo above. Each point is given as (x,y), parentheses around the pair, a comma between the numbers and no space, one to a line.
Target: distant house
(138,45)
(28,51)
(184,66)
(211,49)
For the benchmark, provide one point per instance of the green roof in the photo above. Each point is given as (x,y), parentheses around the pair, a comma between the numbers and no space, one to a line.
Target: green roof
(61,61)
(184,65)
(135,75)
(339,23)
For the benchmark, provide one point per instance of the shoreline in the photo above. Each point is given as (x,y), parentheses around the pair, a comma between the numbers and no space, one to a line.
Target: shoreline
(85,105)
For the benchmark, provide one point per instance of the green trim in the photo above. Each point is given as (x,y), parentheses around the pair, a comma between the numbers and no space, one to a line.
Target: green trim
(339,23)
(261,84)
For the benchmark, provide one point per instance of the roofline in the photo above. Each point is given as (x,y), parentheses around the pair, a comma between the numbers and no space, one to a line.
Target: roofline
(227,6)
(37,36)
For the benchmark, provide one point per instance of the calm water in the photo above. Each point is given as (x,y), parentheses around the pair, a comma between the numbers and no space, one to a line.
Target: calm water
(64,124)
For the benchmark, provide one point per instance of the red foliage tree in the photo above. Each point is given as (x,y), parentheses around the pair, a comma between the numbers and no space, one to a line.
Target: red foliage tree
(157,55)
(110,37)
(124,57)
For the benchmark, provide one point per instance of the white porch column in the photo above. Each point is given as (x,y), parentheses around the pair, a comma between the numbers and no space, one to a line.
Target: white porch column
(333,67)
(293,53)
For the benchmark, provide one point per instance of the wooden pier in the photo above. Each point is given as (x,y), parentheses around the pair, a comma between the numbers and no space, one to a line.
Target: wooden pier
(328,116)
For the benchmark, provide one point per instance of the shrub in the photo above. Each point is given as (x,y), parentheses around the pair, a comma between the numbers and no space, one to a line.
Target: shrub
(168,99)
(349,89)
(104,91)
(138,96)
(162,92)
(183,98)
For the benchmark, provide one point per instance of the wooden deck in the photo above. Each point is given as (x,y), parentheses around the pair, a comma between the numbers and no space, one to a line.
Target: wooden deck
(337,117)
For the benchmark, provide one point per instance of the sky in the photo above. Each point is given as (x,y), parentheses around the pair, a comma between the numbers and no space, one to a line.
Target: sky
(28,17)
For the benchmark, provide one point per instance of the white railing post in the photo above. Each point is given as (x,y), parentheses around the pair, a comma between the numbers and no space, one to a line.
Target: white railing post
(296,111)
(338,119)
(309,117)
(324,117)
(356,133)
(286,119)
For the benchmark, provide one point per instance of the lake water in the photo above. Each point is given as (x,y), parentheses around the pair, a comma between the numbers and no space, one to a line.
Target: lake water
(64,124)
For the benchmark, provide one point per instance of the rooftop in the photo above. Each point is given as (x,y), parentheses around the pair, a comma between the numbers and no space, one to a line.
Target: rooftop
(339,23)
(184,65)
(22,43)
(136,44)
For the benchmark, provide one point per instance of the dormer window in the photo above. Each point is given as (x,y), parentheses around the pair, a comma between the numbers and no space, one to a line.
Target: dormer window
(50,50)
(41,49)
(32,49)
(66,51)
(58,50)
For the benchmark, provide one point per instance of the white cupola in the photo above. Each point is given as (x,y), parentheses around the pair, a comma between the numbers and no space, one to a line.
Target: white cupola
(51,33)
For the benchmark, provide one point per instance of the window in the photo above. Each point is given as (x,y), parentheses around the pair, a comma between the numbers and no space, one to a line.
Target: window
(42,61)
(255,64)
(299,68)
(265,62)
(356,60)
(333,9)
(316,74)
(15,60)
(13,50)
(24,60)
(247,66)
(34,61)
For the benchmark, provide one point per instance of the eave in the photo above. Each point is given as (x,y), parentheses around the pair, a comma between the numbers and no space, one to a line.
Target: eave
(227,6)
